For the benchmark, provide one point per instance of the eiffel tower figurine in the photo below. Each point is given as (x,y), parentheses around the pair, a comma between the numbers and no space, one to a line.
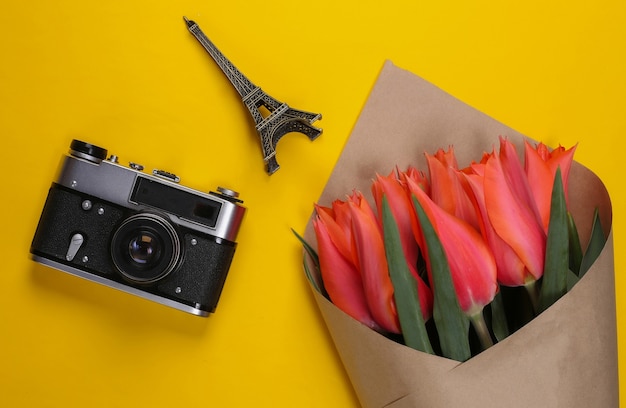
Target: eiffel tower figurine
(281,118)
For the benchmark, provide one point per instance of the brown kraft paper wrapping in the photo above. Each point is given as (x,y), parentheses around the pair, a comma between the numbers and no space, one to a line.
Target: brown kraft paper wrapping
(565,357)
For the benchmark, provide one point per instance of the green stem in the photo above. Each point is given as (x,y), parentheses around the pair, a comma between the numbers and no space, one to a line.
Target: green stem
(480,326)
(533,293)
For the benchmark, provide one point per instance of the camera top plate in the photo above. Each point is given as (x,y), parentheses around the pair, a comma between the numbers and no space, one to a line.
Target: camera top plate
(87,169)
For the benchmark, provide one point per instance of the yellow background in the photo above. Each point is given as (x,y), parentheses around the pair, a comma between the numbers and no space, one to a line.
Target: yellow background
(129,76)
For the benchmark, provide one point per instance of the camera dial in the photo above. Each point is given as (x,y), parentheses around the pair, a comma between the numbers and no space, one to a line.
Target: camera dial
(227,194)
(87,151)
(145,248)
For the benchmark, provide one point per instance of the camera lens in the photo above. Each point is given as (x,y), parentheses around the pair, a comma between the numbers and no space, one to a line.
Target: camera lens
(145,248)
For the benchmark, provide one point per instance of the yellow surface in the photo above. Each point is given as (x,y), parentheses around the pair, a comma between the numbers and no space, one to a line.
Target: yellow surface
(130,77)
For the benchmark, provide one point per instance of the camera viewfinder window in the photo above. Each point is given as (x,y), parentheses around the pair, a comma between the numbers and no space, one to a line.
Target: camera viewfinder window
(176,201)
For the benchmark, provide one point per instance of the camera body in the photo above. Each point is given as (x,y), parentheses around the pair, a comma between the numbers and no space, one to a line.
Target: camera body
(141,233)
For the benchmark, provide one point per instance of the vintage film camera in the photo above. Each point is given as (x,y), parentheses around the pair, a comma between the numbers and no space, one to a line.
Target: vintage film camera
(141,233)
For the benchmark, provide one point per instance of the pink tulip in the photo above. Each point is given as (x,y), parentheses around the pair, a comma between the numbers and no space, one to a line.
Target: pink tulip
(471,263)
(341,278)
(540,166)
(512,212)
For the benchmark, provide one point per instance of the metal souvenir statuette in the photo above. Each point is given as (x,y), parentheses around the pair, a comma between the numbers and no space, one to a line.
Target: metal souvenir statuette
(281,120)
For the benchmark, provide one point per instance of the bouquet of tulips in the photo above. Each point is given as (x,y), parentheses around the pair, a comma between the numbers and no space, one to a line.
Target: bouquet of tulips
(443,246)
(453,268)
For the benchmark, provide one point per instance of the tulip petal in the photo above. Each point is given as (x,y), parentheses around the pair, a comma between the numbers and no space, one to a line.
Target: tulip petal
(511,270)
(340,236)
(425,294)
(447,190)
(402,210)
(516,177)
(540,168)
(447,158)
(341,279)
(512,220)
(540,180)
(562,158)
(417,176)
(343,217)
(471,263)
(373,267)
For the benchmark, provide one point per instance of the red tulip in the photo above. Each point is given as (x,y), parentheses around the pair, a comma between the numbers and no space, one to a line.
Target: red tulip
(447,158)
(512,212)
(373,267)
(339,224)
(511,271)
(417,176)
(418,180)
(402,210)
(540,166)
(447,189)
(471,263)
(341,278)
(516,177)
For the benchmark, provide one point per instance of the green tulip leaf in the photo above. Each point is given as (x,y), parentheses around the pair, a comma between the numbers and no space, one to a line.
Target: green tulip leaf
(316,262)
(308,248)
(499,324)
(572,279)
(452,324)
(575,249)
(596,243)
(404,286)
(556,268)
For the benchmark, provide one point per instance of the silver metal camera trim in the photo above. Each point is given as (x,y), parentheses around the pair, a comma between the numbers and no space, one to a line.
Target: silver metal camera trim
(115,285)
(114,183)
